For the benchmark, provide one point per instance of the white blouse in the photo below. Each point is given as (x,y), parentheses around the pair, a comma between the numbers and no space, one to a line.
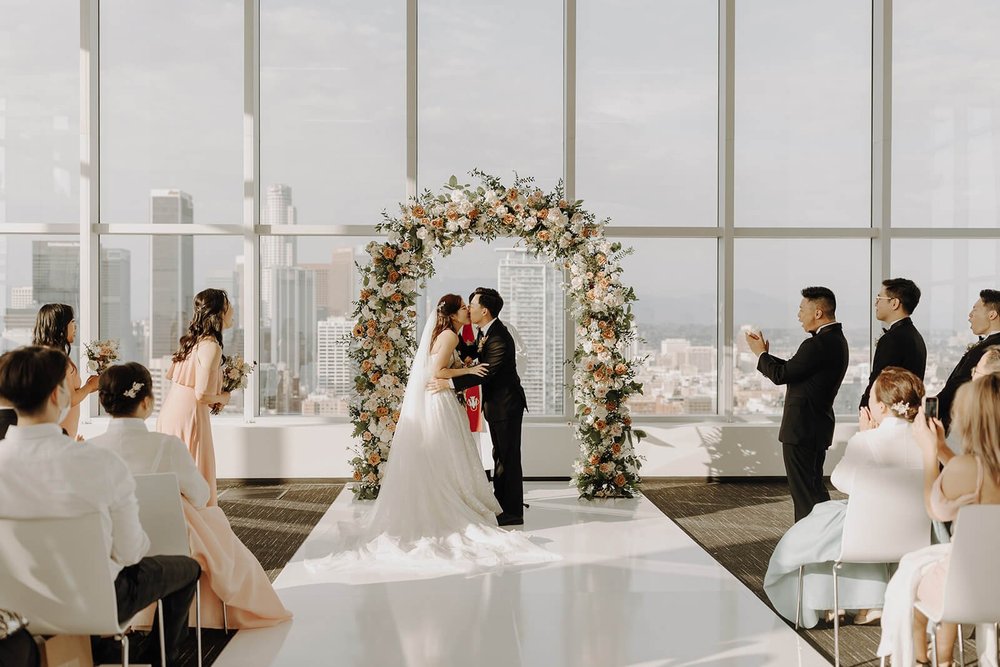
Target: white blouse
(891,445)
(46,475)
(147,452)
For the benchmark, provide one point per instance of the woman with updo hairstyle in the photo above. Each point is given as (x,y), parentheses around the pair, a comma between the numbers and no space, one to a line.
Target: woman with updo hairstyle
(451,315)
(196,376)
(230,573)
(885,441)
(55,327)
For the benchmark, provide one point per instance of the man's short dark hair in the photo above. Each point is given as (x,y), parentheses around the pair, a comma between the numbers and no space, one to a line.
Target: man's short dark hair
(991,299)
(824,299)
(489,299)
(29,375)
(905,290)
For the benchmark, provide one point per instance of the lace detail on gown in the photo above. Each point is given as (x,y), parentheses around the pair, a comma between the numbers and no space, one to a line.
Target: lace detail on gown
(436,510)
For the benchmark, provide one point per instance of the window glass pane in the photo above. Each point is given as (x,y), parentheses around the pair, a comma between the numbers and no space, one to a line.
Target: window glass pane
(172,107)
(950,275)
(676,315)
(533,309)
(803,114)
(36,270)
(333,97)
(40,112)
(769,275)
(945,114)
(490,77)
(647,96)
(307,289)
(147,288)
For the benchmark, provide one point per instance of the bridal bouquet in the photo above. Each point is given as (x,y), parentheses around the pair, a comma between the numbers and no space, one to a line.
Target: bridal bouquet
(100,354)
(235,372)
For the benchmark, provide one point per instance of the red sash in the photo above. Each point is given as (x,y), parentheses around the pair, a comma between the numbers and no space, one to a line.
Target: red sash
(473,401)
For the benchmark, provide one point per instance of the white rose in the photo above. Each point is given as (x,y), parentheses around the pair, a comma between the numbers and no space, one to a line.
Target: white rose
(464,223)
(600,412)
(452,225)
(457,196)
(403,258)
(422,233)
(394,333)
(387,289)
(393,237)
(407,285)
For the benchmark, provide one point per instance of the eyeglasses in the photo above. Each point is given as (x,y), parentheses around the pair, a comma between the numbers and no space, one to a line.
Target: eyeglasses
(887,298)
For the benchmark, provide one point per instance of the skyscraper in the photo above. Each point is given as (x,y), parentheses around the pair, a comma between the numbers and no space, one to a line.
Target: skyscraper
(55,272)
(275,250)
(335,375)
(292,334)
(533,302)
(171,271)
(21,297)
(335,283)
(116,299)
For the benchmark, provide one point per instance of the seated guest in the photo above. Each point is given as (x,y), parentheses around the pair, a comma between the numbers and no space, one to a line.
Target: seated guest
(815,541)
(45,475)
(972,477)
(229,571)
(7,417)
(989,363)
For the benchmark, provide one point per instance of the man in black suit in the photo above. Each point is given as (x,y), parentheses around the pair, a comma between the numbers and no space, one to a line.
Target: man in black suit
(813,377)
(504,401)
(984,320)
(900,344)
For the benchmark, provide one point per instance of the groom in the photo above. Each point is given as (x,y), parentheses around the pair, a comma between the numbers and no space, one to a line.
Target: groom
(504,402)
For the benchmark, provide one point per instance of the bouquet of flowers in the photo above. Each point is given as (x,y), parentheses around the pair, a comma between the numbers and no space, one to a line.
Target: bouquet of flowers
(100,354)
(235,372)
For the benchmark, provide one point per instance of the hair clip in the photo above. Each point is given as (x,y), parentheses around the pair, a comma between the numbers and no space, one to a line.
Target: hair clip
(901,408)
(136,386)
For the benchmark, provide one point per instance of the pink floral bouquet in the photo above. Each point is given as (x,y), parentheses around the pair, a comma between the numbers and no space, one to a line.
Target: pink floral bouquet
(100,354)
(235,375)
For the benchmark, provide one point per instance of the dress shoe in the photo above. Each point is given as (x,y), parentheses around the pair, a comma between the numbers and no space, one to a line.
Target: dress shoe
(504,519)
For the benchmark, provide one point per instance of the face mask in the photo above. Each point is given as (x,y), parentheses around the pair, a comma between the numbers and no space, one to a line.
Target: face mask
(64,412)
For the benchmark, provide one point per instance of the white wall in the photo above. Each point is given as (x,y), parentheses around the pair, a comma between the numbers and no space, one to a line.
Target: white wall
(297,447)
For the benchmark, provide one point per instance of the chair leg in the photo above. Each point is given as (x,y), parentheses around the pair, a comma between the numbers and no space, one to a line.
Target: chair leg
(996,640)
(225,617)
(961,646)
(932,629)
(124,641)
(836,617)
(197,616)
(798,599)
(163,643)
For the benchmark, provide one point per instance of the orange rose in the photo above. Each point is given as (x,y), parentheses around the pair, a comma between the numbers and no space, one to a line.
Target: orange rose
(437,222)
(418,211)
(366,436)
(609,334)
(374,459)
(611,406)
(395,416)
(601,259)
(563,203)
(389,252)
(616,449)
(620,369)
(586,411)
(359,331)
(365,293)
(376,376)
(473,214)
(544,235)
(452,214)
(508,219)
(381,411)
(594,459)
(366,366)
(396,297)
(620,480)
(406,245)
(393,276)
(543,214)
(600,424)
(512,194)
(357,475)
(627,421)
(364,416)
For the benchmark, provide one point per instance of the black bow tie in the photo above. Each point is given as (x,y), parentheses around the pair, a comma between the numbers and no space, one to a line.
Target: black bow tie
(884,330)
(812,333)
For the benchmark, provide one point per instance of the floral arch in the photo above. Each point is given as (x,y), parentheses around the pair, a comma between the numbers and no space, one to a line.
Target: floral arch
(383,340)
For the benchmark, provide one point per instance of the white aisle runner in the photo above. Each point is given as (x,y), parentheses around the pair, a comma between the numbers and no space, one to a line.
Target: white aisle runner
(632,589)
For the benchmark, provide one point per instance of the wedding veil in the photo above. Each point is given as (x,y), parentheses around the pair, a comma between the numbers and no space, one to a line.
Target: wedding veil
(409,428)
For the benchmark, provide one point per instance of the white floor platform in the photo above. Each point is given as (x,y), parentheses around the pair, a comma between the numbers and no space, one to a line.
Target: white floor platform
(632,589)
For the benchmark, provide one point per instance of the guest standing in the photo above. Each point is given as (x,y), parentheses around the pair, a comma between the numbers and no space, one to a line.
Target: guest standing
(230,573)
(984,320)
(813,376)
(196,375)
(55,327)
(900,345)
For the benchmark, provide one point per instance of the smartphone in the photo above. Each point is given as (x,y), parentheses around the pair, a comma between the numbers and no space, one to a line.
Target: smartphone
(931,407)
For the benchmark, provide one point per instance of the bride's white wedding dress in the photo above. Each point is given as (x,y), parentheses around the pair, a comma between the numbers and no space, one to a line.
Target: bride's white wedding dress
(435,509)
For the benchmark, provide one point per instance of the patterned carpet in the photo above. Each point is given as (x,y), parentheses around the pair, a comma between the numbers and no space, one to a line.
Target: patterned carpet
(738,524)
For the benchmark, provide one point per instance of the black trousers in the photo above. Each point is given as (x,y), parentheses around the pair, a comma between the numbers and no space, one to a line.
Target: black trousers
(508,482)
(171,578)
(19,650)
(804,468)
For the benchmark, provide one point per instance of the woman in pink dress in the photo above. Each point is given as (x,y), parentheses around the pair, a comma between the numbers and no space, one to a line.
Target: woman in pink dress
(229,572)
(55,326)
(196,376)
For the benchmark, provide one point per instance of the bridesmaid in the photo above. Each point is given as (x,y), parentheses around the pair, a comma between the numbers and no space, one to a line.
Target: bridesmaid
(55,326)
(197,382)
(229,571)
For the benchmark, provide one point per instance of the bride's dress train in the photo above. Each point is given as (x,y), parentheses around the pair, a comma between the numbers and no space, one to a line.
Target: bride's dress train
(435,510)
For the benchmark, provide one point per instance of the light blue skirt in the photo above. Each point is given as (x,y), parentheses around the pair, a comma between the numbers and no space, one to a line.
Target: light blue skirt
(815,542)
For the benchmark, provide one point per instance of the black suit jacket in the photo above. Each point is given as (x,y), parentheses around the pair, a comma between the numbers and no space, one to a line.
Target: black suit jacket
(8,418)
(961,375)
(813,376)
(503,395)
(903,346)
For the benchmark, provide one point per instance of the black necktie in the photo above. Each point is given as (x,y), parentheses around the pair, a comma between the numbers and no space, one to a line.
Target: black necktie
(884,330)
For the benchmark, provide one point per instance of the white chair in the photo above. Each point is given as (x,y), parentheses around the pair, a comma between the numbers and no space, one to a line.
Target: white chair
(971,588)
(55,573)
(162,517)
(885,520)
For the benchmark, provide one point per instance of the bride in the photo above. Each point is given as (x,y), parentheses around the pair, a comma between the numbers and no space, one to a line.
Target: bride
(435,508)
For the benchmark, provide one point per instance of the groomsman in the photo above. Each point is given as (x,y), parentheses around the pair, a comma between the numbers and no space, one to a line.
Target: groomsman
(813,376)
(900,344)
(984,320)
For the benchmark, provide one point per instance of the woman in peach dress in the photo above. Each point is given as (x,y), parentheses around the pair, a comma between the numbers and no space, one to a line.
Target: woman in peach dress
(196,376)
(55,327)
(229,572)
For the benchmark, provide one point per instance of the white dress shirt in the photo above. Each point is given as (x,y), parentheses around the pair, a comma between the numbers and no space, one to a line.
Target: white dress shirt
(146,452)
(891,445)
(46,475)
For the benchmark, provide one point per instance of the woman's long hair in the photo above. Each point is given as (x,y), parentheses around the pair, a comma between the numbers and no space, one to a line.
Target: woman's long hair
(976,417)
(447,306)
(52,326)
(209,311)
